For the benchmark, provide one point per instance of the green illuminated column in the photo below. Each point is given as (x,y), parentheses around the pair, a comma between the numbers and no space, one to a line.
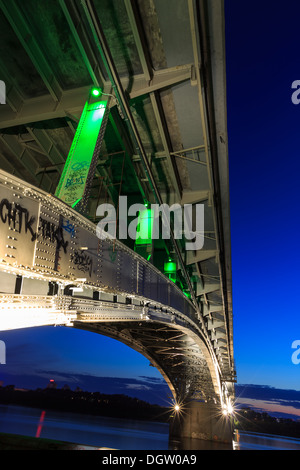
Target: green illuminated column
(170,270)
(77,176)
(143,242)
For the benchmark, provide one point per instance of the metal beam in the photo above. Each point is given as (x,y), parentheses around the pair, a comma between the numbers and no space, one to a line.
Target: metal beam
(193,197)
(18,111)
(43,108)
(6,165)
(208,288)
(140,41)
(73,18)
(199,20)
(31,46)
(13,96)
(100,40)
(48,146)
(161,79)
(200,255)
(24,156)
(152,80)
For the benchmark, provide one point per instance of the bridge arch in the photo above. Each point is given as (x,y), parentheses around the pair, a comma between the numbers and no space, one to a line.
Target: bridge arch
(54,270)
(179,354)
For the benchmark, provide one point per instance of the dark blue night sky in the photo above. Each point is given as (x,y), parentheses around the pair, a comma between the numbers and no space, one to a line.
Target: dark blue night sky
(262,40)
(264,156)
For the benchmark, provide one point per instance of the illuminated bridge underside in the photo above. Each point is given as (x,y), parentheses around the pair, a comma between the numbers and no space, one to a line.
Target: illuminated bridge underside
(163,66)
(174,350)
(97,285)
(170,341)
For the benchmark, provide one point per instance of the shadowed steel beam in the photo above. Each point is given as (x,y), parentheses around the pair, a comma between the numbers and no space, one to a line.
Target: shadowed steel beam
(199,19)
(44,108)
(73,18)
(134,19)
(133,15)
(161,79)
(118,89)
(6,165)
(166,141)
(200,255)
(13,96)
(24,156)
(193,197)
(17,112)
(126,146)
(143,53)
(31,46)
(47,146)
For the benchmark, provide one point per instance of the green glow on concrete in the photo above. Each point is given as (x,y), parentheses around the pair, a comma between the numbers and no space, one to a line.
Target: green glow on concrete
(73,181)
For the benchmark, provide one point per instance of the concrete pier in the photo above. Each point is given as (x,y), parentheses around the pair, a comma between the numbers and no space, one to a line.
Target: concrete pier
(198,420)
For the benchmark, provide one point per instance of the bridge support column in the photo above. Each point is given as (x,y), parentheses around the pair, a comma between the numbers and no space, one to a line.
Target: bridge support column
(204,421)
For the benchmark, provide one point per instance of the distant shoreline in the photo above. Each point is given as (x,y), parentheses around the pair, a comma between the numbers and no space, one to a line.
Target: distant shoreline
(121,406)
(88,403)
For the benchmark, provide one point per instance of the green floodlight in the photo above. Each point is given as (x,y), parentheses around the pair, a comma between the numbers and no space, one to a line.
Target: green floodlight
(96,91)
(144,227)
(170,268)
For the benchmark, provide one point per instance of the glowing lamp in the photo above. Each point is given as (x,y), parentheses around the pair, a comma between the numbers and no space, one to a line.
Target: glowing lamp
(170,270)
(230,408)
(96,92)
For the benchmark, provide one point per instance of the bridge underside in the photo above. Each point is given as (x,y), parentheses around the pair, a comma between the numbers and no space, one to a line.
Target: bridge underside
(172,351)
(179,357)
(163,71)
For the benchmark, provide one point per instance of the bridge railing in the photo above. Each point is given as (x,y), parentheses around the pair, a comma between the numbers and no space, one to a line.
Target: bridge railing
(42,238)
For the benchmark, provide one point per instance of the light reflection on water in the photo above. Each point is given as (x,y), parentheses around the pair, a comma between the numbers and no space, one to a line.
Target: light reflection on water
(96,431)
(121,434)
(84,429)
(255,441)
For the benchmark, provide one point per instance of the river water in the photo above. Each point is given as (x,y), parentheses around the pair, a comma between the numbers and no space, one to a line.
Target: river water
(255,441)
(121,434)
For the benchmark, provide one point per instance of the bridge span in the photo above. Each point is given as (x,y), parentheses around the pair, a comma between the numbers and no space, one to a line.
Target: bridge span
(54,270)
(164,140)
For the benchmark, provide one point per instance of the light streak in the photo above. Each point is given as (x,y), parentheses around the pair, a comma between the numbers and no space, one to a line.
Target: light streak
(40,425)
